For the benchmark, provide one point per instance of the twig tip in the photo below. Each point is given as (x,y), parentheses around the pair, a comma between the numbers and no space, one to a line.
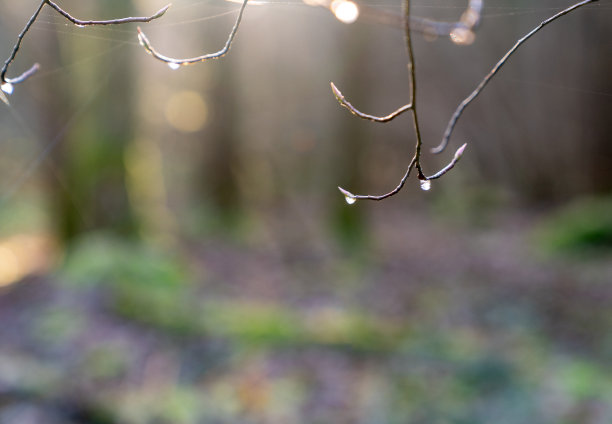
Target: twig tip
(336,92)
(459,152)
(348,196)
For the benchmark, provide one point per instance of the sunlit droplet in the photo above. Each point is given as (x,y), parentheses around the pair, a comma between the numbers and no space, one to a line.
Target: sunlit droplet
(7,87)
(80,26)
(350,200)
(462,36)
(346,11)
(173,65)
(425,185)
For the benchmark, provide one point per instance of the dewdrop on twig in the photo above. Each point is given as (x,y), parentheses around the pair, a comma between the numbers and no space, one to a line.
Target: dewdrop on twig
(173,65)
(425,185)
(348,196)
(7,87)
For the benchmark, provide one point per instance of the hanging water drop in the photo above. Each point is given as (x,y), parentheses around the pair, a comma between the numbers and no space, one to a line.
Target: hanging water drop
(174,66)
(425,185)
(7,87)
(348,196)
(79,26)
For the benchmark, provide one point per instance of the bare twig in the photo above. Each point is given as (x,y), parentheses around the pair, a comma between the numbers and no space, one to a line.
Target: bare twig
(362,115)
(8,82)
(451,165)
(469,20)
(411,106)
(175,63)
(352,198)
(453,121)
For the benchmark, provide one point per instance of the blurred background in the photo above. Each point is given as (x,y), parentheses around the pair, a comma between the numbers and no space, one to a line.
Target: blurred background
(174,249)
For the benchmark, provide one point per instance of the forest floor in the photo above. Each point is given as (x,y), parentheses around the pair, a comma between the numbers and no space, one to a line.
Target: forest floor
(427,321)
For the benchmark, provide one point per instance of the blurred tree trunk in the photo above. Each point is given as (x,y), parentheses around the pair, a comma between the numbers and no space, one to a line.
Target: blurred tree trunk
(348,221)
(601,82)
(219,183)
(90,108)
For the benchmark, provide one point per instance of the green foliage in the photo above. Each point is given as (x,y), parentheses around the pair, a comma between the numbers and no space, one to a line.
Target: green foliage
(101,258)
(583,227)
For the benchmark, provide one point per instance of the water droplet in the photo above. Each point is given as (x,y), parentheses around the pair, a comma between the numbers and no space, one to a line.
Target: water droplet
(174,66)
(350,200)
(7,87)
(462,36)
(425,185)
(80,26)
(345,11)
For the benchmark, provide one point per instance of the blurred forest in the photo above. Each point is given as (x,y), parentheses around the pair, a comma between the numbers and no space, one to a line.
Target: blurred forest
(174,249)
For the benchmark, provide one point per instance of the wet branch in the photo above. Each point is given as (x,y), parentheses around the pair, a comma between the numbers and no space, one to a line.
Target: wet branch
(8,82)
(411,106)
(175,63)
(470,19)
(340,97)
(453,121)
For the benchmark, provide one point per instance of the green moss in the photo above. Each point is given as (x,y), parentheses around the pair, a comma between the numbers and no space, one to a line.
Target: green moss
(584,226)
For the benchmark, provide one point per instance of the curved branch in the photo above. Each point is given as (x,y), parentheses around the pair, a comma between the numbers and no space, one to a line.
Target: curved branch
(451,165)
(345,103)
(77,22)
(144,41)
(352,198)
(470,19)
(119,21)
(453,121)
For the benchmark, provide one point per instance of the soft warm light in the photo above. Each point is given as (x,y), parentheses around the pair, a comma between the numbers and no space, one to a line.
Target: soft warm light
(346,11)
(323,3)
(11,269)
(462,36)
(21,255)
(186,111)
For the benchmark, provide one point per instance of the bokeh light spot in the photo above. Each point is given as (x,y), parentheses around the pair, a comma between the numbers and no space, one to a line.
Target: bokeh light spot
(345,11)
(186,111)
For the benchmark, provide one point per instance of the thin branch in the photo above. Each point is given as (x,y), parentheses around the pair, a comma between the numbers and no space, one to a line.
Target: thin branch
(411,69)
(469,20)
(17,46)
(415,162)
(352,198)
(451,165)
(77,22)
(144,41)
(345,103)
(453,121)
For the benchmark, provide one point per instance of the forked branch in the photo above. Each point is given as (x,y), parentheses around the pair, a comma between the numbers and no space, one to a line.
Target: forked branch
(469,99)
(340,97)
(176,63)
(7,83)
(411,106)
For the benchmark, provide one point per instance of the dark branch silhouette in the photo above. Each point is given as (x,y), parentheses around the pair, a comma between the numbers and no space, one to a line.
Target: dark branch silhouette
(176,63)
(453,121)
(471,17)
(7,83)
